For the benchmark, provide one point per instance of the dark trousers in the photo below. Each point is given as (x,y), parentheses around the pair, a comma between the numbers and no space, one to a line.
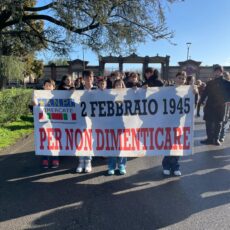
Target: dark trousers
(213,129)
(198,109)
(171,163)
(223,129)
(53,158)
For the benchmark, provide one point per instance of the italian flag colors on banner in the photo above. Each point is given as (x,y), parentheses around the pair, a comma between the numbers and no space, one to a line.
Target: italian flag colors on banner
(57,116)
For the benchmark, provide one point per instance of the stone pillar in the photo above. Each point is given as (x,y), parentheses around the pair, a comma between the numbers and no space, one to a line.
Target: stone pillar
(145,66)
(70,71)
(120,62)
(167,68)
(53,72)
(101,67)
(163,71)
(120,66)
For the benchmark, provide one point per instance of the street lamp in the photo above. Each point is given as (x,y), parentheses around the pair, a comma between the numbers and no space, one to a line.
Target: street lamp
(188,46)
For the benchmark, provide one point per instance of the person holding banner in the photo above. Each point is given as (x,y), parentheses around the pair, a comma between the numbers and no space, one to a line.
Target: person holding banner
(49,84)
(170,163)
(85,161)
(121,161)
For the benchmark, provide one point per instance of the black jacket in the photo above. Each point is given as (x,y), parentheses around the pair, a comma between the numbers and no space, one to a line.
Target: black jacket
(153,82)
(63,87)
(217,93)
(131,84)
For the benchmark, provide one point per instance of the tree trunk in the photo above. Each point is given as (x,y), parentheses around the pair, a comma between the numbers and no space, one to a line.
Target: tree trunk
(2,82)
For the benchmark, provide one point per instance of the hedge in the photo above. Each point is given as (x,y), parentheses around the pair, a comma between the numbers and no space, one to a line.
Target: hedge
(14,103)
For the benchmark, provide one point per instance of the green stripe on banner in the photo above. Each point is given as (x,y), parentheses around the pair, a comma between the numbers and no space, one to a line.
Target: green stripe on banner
(65,116)
(49,116)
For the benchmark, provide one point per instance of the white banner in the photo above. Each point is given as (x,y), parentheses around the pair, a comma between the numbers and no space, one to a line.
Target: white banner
(117,122)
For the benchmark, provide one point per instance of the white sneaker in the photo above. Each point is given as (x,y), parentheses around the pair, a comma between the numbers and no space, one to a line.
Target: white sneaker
(177,173)
(88,166)
(166,172)
(81,166)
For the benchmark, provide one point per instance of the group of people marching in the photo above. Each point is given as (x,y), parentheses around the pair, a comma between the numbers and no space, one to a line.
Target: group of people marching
(214,95)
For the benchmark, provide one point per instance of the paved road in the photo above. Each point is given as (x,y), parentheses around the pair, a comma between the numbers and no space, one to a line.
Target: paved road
(31,198)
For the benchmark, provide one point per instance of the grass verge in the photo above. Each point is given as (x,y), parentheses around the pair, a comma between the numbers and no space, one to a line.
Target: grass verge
(11,132)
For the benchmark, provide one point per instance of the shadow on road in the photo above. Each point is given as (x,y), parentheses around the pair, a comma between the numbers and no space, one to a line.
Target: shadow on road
(59,199)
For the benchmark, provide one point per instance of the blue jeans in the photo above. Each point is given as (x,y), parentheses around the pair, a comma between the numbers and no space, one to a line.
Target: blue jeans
(113,161)
(171,163)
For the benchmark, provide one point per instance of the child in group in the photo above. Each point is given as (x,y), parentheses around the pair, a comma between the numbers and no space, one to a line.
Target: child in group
(133,81)
(49,84)
(191,80)
(152,78)
(113,76)
(201,87)
(112,161)
(102,84)
(78,84)
(170,163)
(66,83)
(85,162)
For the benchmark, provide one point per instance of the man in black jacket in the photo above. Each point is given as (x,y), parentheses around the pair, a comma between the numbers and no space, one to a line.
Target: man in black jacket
(217,93)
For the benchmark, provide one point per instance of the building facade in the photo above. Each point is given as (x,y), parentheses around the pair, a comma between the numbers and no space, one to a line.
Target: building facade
(76,67)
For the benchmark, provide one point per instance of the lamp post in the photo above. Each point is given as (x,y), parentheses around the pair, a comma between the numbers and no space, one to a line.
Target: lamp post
(188,47)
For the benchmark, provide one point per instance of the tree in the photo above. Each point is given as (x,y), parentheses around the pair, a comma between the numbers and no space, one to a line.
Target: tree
(20,38)
(12,69)
(102,25)
(18,44)
(37,68)
(15,68)
(32,66)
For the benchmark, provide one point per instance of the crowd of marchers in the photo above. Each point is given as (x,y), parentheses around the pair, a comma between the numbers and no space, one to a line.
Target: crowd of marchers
(211,96)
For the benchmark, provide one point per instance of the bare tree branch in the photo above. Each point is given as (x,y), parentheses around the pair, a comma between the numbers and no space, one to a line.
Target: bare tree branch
(41,8)
(52,20)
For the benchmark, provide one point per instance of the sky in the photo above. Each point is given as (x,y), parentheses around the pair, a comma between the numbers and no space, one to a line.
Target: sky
(204,23)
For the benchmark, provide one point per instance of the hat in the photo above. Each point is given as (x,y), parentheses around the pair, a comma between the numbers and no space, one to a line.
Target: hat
(218,67)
